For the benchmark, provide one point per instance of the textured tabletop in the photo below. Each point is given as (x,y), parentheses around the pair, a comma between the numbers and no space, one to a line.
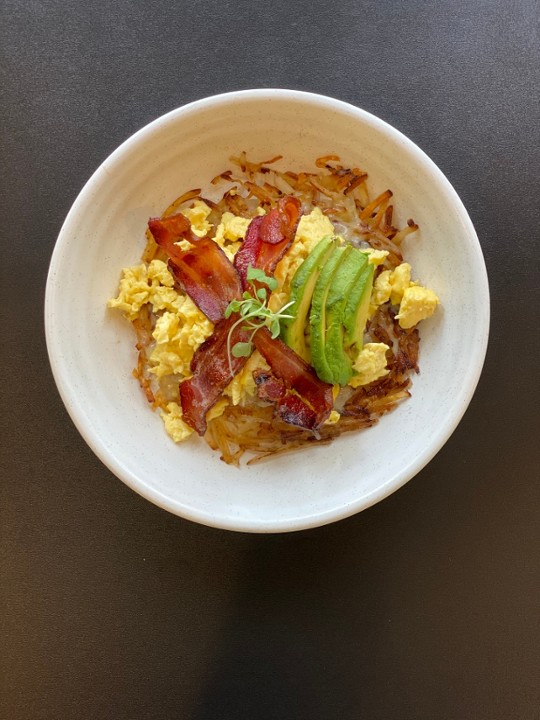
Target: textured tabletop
(424,606)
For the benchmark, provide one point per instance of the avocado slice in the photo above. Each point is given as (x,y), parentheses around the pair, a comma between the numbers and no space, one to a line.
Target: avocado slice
(344,283)
(356,308)
(317,316)
(302,286)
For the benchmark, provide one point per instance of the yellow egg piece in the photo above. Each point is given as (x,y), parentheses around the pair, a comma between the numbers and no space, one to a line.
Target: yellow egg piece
(370,364)
(178,335)
(158,274)
(333,418)
(166,298)
(138,286)
(174,425)
(312,228)
(197,216)
(400,280)
(382,288)
(230,232)
(418,303)
(390,285)
(376,257)
(231,228)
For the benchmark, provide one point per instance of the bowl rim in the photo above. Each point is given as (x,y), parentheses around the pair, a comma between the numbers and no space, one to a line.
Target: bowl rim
(221,520)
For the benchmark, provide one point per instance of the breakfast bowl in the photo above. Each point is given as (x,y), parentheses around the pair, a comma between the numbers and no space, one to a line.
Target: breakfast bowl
(92,348)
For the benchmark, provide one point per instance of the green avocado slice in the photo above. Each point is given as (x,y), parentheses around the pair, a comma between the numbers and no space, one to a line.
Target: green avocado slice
(344,283)
(317,316)
(302,286)
(356,308)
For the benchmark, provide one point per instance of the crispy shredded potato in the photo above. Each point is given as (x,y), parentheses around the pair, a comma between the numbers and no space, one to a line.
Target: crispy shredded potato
(341,194)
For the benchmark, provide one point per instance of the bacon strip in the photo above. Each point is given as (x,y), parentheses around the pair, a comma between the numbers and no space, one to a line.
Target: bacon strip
(168,231)
(208,277)
(298,376)
(293,410)
(211,373)
(290,407)
(268,238)
(204,271)
(269,387)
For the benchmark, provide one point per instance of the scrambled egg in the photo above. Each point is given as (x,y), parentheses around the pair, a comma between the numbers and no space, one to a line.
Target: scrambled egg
(382,289)
(174,425)
(370,364)
(198,217)
(418,303)
(177,336)
(231,229)
(400,279)
(311,229)
(415,302)
(180,326)
(376,257)
(140,284)
(391,284)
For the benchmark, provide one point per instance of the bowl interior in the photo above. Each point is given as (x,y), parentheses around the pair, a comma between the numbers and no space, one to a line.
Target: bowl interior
(92,349)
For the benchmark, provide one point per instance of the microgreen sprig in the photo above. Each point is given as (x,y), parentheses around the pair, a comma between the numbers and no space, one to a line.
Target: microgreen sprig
(254,313)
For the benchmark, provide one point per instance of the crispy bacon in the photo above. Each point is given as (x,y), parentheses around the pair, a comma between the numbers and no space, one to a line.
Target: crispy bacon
(269,387)
(208,277)
(293,410)
(298,376)
(247,253)
(289,406)
(168,231)
(268,238)
(204,271)
(211,373)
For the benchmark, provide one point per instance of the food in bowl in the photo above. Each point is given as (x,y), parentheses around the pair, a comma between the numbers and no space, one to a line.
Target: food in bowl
(277,315)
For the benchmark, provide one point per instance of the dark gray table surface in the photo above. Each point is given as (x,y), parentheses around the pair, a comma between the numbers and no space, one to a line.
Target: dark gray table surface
(424,606)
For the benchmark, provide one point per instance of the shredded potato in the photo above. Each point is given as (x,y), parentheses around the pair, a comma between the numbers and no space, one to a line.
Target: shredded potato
(341,194)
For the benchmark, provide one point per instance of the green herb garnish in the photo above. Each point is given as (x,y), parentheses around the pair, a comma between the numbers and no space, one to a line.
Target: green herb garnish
(254,313)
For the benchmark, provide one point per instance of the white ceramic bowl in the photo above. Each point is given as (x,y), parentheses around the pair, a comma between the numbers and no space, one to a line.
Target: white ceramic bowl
(92,351)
